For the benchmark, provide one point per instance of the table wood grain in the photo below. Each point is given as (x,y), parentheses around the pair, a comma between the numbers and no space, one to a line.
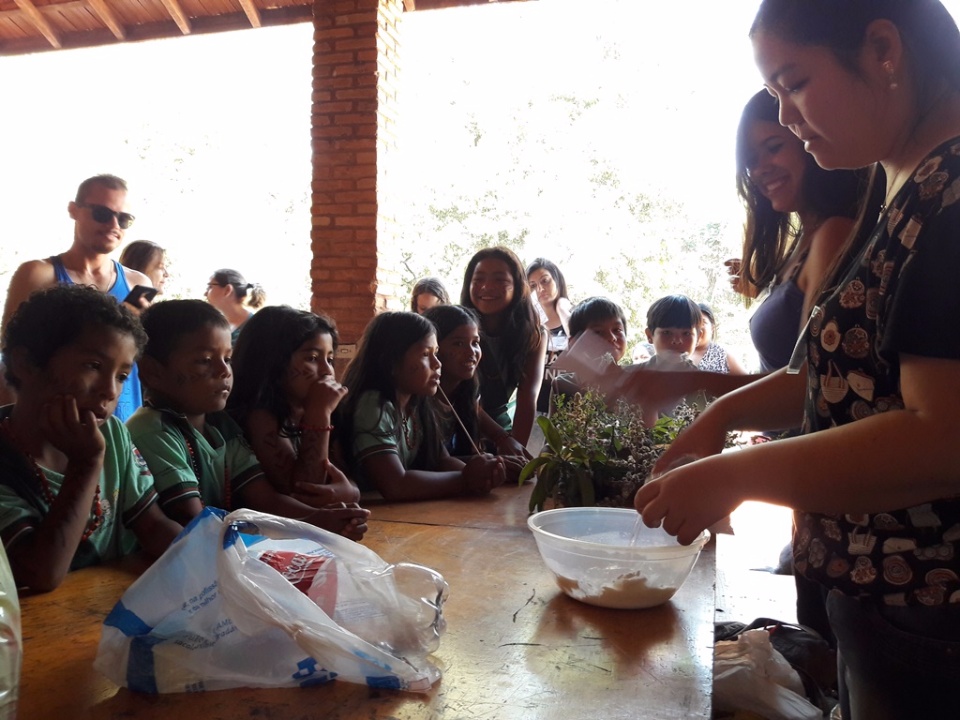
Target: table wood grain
(515,647)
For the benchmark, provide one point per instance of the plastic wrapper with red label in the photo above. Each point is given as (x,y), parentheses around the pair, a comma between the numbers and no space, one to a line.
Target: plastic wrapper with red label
(256,600)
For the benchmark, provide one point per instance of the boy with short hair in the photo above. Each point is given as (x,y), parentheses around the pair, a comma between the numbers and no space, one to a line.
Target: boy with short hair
(195,450)
(673,327)
(603,318)
(73,490)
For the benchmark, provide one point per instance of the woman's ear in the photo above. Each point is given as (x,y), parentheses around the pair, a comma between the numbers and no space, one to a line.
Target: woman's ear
(882,51)
(649,333)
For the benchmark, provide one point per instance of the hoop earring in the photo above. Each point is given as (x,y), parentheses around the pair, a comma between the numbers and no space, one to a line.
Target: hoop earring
(888,68)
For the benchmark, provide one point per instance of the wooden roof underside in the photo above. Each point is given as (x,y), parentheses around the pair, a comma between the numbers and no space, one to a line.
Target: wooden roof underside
(29,26)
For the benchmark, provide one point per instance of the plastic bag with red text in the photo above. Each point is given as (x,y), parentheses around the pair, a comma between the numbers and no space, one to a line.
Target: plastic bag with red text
(255,600)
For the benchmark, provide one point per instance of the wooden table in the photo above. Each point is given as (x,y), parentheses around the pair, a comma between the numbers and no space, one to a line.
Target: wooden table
(515,647)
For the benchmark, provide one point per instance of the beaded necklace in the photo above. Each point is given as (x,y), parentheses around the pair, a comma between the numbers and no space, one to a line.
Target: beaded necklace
(409,436)
(44,484)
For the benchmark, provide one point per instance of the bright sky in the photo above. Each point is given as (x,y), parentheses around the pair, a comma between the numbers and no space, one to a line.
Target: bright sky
(212,132)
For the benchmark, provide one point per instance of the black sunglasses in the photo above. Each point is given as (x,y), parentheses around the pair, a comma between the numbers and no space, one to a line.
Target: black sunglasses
(103,214)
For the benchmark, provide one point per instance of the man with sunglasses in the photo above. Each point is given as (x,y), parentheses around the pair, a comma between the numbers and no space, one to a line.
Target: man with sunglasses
(100,219)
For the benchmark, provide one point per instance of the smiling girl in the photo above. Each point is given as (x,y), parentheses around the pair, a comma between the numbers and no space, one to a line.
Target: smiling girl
(458,349)
(513,341)
(798,217)
(391,433)
(874,476)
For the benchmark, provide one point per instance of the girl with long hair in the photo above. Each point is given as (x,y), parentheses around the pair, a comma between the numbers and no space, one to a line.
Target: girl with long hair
(284,395)
(391,434)
(513,342)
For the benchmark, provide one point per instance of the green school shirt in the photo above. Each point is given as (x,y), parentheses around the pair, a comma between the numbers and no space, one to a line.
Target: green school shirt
(126,491)
(221,454)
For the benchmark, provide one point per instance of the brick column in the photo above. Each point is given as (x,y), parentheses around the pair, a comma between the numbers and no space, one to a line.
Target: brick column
(354,67)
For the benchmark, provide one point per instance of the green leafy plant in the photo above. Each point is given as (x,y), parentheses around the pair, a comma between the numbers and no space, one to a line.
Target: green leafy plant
(593,455)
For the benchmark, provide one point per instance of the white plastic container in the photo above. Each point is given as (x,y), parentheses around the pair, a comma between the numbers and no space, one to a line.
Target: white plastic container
(589,551)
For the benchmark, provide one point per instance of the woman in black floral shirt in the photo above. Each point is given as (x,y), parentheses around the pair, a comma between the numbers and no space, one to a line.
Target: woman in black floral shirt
(876,475)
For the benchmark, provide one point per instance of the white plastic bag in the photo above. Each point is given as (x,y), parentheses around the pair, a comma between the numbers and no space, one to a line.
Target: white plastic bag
(749,674)
(255,600)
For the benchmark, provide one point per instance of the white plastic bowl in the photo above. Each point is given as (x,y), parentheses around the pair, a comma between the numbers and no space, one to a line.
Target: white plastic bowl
(589,552)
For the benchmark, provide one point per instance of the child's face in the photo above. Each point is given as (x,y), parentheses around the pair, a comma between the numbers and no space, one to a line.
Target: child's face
(459,352)
(310,362)
(418,372)
(197,377)
(673,340)
(92,370)
(491,286)
(706,332)
(611,330)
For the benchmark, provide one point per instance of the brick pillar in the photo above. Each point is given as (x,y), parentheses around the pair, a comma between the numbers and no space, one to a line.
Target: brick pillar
(354,67)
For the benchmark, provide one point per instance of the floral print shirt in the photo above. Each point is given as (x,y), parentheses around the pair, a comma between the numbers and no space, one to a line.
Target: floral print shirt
(902,295)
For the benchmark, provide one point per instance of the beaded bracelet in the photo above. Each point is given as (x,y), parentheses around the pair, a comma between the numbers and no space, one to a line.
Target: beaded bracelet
(316,428)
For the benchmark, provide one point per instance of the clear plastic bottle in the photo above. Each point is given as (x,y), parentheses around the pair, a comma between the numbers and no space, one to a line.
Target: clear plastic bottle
(11,645)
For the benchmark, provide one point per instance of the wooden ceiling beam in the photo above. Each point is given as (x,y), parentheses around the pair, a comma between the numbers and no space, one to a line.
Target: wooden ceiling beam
(286,15)
(37,19)
(106,16)
(179,16)
(253,15)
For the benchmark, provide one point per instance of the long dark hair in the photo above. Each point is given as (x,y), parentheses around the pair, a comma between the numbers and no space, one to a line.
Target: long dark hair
(770,236)
(521,331)
(544,264)
(385,341)
(262,355)
(463,400)
(931,41)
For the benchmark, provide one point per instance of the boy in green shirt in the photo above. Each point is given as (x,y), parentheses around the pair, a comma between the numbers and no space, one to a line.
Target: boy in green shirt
(73,489)
(196,452)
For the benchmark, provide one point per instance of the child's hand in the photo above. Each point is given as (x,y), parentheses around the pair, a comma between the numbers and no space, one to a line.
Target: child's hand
(347,520)
(334,487)
(322,399)
(483,473)
(513,465)
(509,445)
(73,432)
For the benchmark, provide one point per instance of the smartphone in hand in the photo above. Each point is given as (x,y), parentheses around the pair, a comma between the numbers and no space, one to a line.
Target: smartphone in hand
(140,291)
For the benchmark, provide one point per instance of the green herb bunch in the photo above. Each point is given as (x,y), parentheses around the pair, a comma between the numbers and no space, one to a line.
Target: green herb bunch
(594,455)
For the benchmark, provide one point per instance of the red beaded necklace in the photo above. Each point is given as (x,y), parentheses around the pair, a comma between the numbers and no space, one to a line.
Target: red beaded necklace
(44,484)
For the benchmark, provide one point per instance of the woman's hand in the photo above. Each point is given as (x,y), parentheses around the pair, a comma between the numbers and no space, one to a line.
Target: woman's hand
(703,438)
(688,499)
(482,473)
(733,266)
